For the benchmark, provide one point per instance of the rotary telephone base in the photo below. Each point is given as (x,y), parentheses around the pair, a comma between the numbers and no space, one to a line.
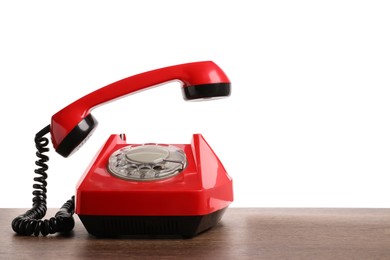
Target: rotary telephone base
(153,189)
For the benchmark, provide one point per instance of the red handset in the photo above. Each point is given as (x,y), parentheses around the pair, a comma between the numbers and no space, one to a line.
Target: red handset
(73,124)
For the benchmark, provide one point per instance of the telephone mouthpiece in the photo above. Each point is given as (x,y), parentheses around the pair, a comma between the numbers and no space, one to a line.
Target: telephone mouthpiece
(77,136)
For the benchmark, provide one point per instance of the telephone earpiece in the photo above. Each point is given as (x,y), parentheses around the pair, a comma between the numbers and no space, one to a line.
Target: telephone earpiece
(206,91)
(71,126)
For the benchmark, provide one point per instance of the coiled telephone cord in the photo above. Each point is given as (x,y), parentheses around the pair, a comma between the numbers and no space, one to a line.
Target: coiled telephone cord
(31,221)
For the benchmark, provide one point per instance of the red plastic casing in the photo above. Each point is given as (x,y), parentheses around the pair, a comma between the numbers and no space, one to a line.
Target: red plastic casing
(189,74)
(201,188)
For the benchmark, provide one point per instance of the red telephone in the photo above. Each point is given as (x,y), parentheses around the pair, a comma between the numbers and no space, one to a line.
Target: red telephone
(135,189)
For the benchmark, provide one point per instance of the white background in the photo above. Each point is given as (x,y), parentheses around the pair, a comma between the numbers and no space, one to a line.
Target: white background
(307,124)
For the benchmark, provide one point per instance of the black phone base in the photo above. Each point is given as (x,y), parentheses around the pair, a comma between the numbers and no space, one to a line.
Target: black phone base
(147,226)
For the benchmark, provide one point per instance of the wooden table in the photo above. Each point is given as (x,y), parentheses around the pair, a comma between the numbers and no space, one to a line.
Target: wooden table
(243,233)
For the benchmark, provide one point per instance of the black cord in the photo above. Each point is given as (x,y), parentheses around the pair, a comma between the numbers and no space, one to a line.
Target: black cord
(31,221)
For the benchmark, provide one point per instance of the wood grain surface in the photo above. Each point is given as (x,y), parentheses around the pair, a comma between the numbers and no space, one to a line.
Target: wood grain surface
(243,233)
